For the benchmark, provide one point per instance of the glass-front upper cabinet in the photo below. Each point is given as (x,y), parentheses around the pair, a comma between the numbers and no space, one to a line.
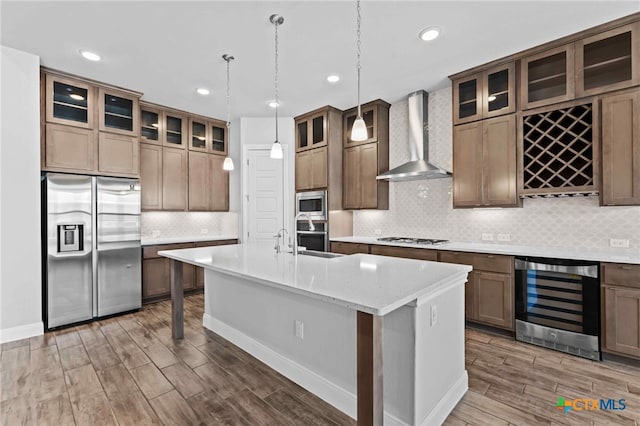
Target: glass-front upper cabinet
(150,124)
(219,137)
(485,94)
(311,130)
(69,102)
(197,134)
(370,117)
(498,91)
(175,130)
(467,99)
(608,61)
(118,112)
(547,78)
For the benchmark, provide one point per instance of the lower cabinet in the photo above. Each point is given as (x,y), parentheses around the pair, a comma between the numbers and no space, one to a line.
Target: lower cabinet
(489,291)
(349,248)
(406,252)
(621,309)
(156,272)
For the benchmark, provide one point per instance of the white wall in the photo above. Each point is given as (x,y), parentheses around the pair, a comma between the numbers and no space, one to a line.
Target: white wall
(424,208)
(262,131)
(20,259)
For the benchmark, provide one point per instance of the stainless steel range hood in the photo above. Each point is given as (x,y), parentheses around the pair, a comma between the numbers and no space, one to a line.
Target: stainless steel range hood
(419,166)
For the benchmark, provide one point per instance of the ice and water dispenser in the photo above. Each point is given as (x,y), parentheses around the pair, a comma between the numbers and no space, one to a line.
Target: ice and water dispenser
(70,238)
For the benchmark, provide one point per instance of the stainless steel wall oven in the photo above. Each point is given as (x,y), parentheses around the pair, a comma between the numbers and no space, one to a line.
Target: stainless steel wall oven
(558,304)
(317,240)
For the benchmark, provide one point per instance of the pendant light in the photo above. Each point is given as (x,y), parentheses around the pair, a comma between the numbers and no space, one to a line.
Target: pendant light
(276,148)
(359,129)
(228,161)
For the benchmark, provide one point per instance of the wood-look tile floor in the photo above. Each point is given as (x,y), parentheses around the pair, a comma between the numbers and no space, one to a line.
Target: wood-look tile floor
(127,370)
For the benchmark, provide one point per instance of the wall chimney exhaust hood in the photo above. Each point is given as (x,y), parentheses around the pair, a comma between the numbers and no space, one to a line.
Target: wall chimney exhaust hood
(419,166)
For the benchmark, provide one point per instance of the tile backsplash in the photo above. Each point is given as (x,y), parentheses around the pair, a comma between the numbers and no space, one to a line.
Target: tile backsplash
(181,224)
(424,208)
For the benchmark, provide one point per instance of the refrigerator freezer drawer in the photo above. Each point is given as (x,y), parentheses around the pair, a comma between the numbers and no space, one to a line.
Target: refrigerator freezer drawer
(119,272)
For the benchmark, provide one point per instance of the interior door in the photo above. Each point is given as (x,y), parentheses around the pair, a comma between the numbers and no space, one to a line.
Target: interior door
(118,233)
(264,200)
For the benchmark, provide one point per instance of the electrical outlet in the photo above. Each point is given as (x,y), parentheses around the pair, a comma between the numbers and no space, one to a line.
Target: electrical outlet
(434,315)
(487,236)
(618,242)
(377,231)
(155,234)
(204,231)
(299,329)
(504,237)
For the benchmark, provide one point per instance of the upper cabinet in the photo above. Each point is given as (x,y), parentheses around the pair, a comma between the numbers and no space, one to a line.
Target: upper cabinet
(311,130)
(485,94)
(364,160)
(207,135)
(608,61)
(376,117)
(547,77)
(89,127)
(175,130)
(621,149)
(69,102)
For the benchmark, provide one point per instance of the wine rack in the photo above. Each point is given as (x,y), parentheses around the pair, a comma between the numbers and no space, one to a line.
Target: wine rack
(559,152)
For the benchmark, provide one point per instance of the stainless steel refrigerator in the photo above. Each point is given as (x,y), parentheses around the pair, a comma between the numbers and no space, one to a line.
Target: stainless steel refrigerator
(92,242)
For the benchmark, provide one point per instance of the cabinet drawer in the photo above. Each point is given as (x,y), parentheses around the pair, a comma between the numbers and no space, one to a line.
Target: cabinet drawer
(215,243)
(493,263)
(405,252)
(149,252)
(349,248)
(621,274)
(456,257)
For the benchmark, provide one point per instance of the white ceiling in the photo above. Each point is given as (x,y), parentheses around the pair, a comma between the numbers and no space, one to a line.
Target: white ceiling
(167,49)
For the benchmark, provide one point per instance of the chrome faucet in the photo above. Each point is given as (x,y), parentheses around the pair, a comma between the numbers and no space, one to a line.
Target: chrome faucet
(295,230)
(279,235)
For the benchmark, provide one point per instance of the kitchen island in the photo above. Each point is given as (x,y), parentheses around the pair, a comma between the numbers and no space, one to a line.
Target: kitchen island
(327,324)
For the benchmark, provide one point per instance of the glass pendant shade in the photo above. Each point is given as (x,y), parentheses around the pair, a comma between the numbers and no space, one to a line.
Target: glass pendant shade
(276,151)
(228,164)
(359,130)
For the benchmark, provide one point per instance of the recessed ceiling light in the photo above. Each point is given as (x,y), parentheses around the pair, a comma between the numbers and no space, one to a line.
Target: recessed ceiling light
(202,91)
(90,56)
(333,78)
(429,33)
(273,104)
(76,97)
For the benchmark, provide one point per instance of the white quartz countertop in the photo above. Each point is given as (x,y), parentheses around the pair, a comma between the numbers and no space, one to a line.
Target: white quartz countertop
(373,284)
(615,255)
(150,241)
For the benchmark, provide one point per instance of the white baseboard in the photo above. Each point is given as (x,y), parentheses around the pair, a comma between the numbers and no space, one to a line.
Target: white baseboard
(21,332)
(443,408)
(333,394)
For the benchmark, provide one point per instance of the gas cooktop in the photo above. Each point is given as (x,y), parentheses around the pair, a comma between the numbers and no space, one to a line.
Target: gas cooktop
(409,240)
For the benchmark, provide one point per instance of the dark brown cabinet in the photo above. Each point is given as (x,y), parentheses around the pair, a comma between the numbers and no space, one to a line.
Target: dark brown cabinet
(88,127)
(489,297)
(376,117)
(608,61)
(311,169)
(621,149)
(349,248)
(621,304)
(486,94)
(405,252)
(311,130)
(547,77)
(156,270)
(361,189)
(484,163)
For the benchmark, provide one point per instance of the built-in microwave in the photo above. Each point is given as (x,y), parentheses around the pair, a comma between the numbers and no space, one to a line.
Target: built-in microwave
(313,203)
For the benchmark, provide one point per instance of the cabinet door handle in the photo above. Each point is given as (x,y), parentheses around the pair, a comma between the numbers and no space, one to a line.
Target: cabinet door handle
(627,268)
(490,256)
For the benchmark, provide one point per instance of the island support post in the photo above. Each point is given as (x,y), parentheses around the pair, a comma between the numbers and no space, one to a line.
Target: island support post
(177,300)
(369,386)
